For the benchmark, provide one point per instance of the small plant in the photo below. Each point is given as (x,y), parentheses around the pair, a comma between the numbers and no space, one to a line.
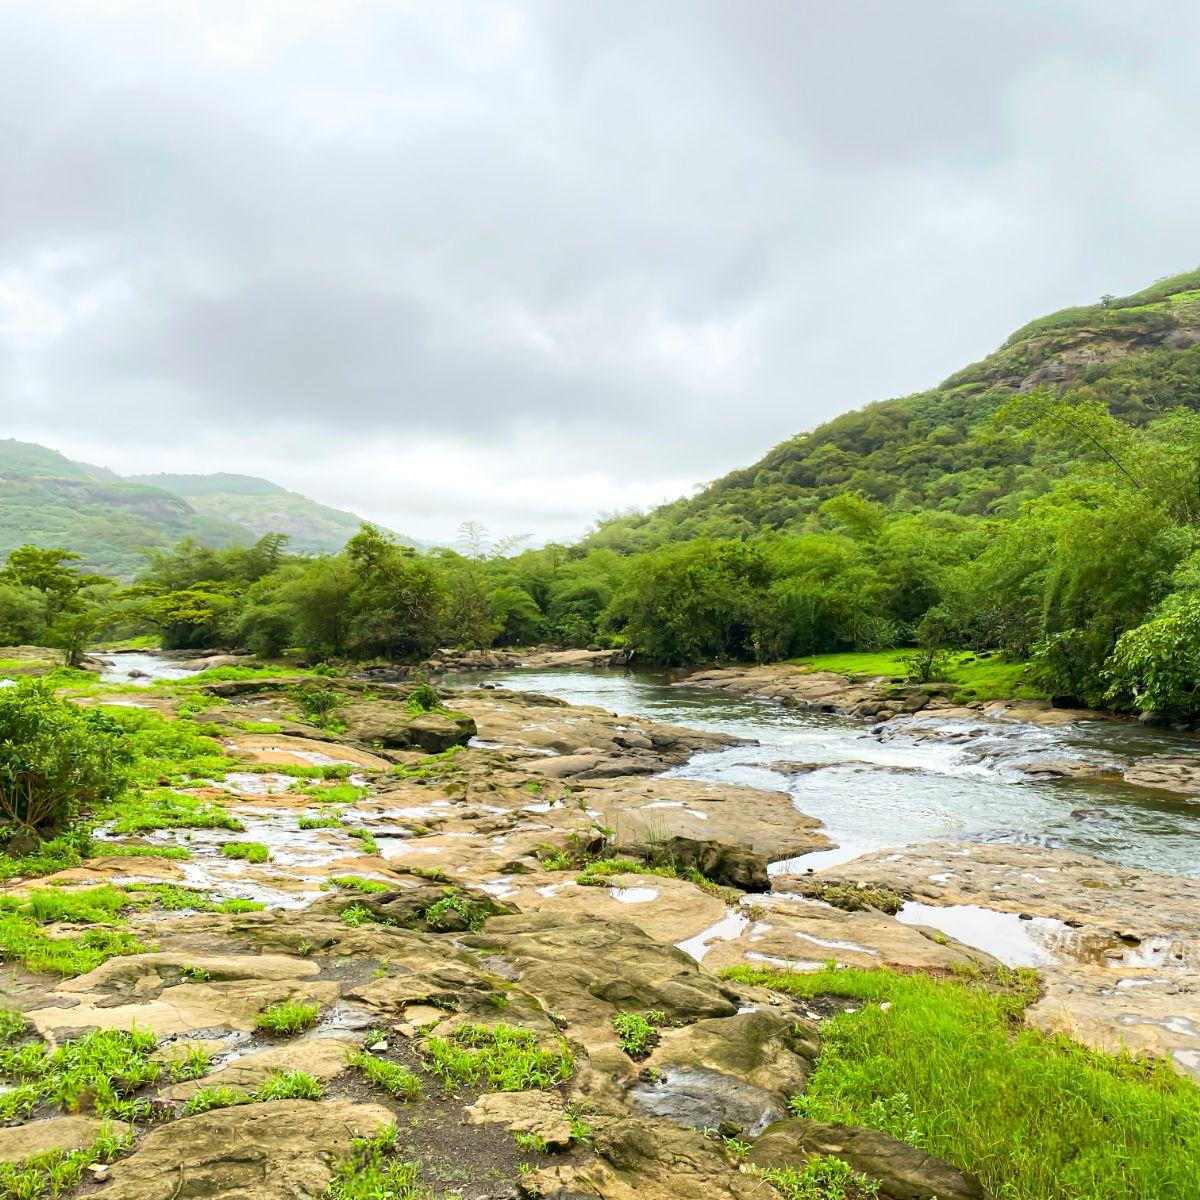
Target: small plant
(370,846)
(254,852)
(289,1017)
(504,1058)
(373,1171)
(357,914)
(531,1143)
(387,1076)
(823,1178)
(290,1085)
(424,698)
(319,823)
(55,1172)
(317,701)
(581,1131)
(636,1033)
(356,883)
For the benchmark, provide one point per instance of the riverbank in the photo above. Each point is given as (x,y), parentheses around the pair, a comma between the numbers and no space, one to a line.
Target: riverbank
(516,862)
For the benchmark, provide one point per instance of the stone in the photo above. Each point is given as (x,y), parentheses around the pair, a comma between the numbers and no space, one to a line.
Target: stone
(282,1150)
(730,866)
(903,1171)
(703,1099)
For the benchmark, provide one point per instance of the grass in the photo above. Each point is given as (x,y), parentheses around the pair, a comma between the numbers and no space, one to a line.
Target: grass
(849,897)
(977,678)
(278,1085)
(336,793)
(636,1033)
(254,852)
(595,874)
(100,1070)
(319,823)
(370,846)
(288,1018)
(373,1171)
(145,812)
(356,883)
(504,1058)
(387,1076)
(23,940)
(822,1178)
(950,1067)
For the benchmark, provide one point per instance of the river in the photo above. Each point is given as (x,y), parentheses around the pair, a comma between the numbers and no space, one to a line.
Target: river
(920,779)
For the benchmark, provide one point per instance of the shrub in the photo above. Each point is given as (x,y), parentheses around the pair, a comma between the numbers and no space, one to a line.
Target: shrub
(55,757)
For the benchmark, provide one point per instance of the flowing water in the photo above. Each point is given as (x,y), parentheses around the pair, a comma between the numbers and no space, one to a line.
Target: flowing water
(919,779)
(142,669)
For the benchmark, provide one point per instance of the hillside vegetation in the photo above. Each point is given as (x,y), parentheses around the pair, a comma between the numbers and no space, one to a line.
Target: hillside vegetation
(1040,508)
(110,522)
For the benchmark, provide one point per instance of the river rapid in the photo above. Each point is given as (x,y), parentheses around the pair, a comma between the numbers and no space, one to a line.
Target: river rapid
(915,780)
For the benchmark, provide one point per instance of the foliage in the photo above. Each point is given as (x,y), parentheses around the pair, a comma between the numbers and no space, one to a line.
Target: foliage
(825,1177)
(950,1066)
(504,1058)
(374,1171)
(55,757)
(254,852)
(387,1076)
(636,1033)
(288,1017)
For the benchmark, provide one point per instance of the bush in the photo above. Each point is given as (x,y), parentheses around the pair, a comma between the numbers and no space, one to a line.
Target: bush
(55,757)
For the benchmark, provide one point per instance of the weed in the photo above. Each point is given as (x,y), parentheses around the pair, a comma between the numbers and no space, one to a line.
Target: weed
(387,1076)
(372,1171)
(504,1058)
(289,1017)
(637,1034)
(356,883)
(254,852)
(821,1178)
(532,1143)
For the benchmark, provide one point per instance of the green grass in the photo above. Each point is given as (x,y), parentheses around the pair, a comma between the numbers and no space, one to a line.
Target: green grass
(319,823)
(374,1171)
(101,1070)
(254,852)
(503,1058)
(336,793)
(822,1178)
(278,1085)
(356,883)
(595,874)
(950,1067)
(23,940)
(121,850)
(980,679)
(144,812)
(636,1033)
(387,1076)
(288,1018)
(370,845)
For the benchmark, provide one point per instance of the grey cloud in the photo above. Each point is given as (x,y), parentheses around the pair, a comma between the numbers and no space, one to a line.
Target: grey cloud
(622,244)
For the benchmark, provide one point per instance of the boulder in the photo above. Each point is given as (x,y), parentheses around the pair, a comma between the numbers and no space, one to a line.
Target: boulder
(394,726)
(730,866)
(902,1171)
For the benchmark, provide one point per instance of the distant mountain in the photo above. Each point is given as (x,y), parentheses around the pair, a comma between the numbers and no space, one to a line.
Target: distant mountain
(48,499)
(265,507)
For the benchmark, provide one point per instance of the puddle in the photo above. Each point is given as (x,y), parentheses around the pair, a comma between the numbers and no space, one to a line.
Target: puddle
(726,929)
(633,895)
(1005,936)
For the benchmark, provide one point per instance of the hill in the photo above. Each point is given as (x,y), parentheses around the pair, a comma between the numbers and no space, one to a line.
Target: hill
(1139,354)
(48,499)
(264,507)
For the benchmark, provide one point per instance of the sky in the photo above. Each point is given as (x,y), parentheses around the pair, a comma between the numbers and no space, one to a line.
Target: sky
(528,263)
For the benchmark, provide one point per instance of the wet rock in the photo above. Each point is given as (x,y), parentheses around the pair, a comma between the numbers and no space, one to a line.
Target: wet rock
(540,1113)
(703,1099)
(1168,773)
(903,1171)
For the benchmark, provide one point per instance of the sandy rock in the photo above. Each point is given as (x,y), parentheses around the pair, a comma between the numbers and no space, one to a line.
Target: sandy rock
(541,1113)
(282,1150)
(322,1057)
(58,1133)
(1167,773)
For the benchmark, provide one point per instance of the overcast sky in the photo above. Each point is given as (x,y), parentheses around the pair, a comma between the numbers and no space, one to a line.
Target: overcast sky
(530,262)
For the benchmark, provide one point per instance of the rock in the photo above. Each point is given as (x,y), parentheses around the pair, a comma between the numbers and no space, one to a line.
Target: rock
(391,725)
(282,1150)
(322,1057)
(704,1099)
(903,1171)
(22,843)
(1155,718)
(730,866)
(1166,772)
(58,1133)
(540,1113)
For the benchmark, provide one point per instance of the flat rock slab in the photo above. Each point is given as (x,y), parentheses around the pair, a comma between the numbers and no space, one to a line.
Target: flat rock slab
(64,1134)
(283,1150)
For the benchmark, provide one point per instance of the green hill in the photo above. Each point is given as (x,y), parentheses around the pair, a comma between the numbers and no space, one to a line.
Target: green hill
(48,499)
(934,450)
(264,507)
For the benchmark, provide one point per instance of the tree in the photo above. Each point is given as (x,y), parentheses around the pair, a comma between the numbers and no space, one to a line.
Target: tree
(55,757)
(1157,665)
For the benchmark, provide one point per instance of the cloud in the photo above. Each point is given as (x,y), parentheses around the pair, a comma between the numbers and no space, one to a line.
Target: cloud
(530,262)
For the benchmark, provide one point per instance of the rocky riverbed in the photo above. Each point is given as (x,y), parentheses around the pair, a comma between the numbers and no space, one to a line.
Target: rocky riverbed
(473,829)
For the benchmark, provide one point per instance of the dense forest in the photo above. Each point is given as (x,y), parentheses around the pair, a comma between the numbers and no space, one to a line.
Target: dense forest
(1043,505)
